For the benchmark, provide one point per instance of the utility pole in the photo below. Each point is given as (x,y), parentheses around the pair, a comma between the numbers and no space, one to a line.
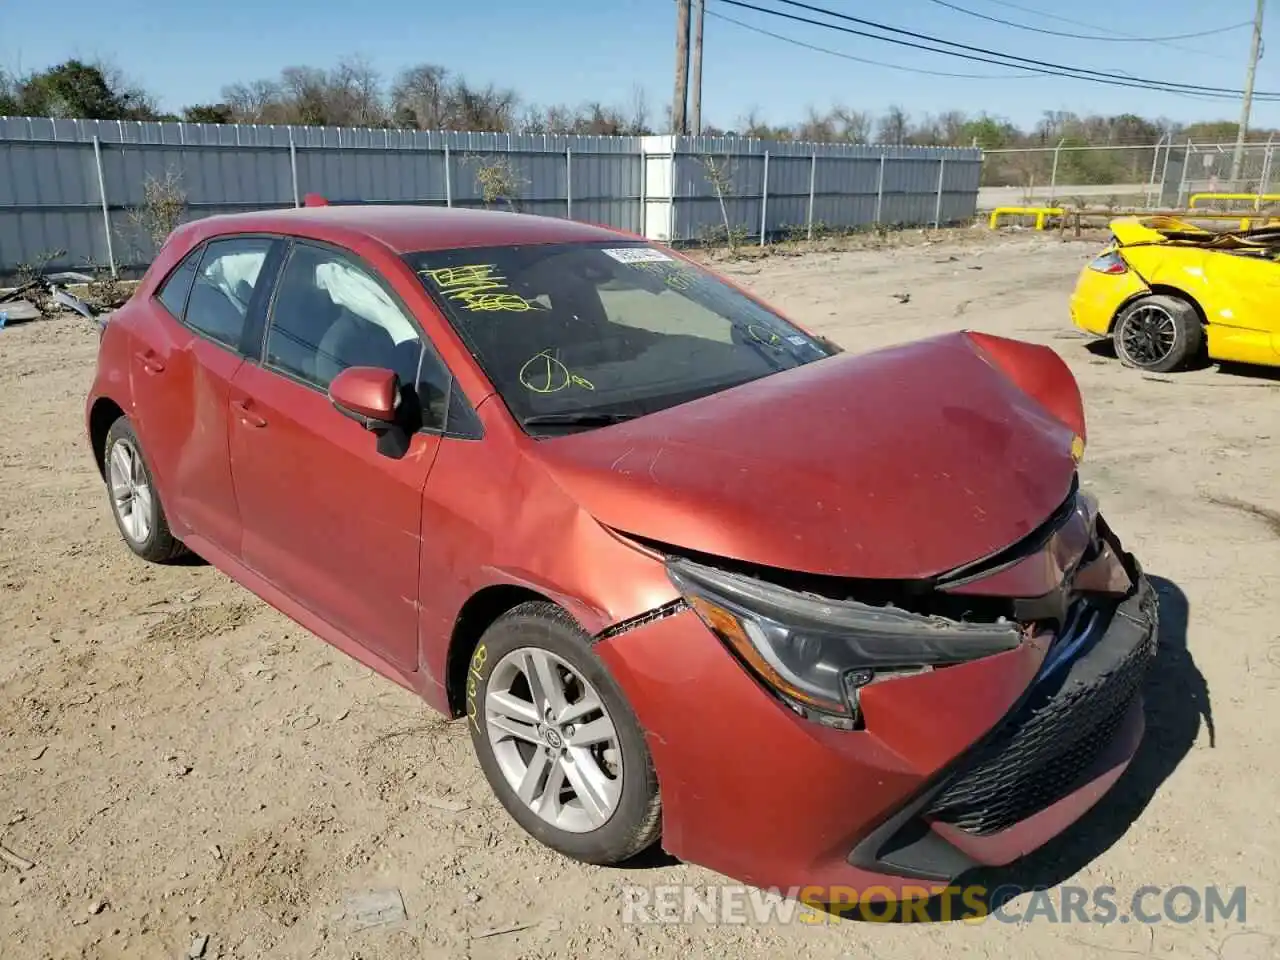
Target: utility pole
(1255,51)
(695,82)
(680,102)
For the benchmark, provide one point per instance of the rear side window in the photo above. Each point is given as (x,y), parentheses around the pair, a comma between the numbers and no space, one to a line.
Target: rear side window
(173,294)
(223,288)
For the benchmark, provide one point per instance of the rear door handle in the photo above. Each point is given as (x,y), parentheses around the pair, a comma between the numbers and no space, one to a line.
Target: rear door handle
(246,415)
(150,362)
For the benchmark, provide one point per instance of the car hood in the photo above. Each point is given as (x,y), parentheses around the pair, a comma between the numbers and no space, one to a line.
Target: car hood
(902,463)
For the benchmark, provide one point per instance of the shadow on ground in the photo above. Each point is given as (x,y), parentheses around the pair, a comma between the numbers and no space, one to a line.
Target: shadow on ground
(1250,372)
(1177,702)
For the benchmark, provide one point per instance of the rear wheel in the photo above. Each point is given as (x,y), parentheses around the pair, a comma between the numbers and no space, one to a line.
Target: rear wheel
(1158,333)
(135,504)
(557,739)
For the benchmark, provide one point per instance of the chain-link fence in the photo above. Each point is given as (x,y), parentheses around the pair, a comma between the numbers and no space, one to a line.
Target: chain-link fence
(1166,173)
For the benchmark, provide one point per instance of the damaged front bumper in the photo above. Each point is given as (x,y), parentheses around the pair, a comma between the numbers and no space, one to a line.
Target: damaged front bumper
(1045,764)
(977,763)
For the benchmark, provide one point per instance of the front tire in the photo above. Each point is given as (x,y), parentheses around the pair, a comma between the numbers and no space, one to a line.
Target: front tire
(557,740)
(1158,333)
(135,504)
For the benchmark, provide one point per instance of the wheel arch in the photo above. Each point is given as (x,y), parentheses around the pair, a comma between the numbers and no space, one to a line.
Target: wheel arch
(1161,289)
(479,613)
(104,412)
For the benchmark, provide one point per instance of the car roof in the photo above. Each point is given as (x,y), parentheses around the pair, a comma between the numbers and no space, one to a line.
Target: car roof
(406,228)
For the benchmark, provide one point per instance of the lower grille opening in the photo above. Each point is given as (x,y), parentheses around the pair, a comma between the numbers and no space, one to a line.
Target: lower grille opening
(1042,753)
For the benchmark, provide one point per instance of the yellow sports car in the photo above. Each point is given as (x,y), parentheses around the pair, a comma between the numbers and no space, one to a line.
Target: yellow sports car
(1167,291)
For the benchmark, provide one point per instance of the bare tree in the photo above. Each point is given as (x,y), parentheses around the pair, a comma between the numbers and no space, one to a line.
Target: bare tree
(719,174)
(638,115)
(894,126)
(164,204)
(484,109)
(418,97)
(816,128)
(854,126)
(260,101)
(497,180)
(355,94)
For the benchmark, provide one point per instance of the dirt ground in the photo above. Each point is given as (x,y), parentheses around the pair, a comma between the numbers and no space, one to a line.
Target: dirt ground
(181,762)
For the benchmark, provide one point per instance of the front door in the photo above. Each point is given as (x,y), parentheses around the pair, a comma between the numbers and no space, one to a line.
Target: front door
(327,518)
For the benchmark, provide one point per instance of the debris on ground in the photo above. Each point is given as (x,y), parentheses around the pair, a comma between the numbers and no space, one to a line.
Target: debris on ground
(198,947)
(39,298)
(515,928)
(13,860)
(70,302)
(18,311)
(445,804)
(47,295)
(373,908)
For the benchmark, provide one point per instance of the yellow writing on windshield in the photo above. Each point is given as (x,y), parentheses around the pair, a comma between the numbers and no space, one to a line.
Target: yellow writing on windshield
(763,335)
(673,276)
(479,287)
(544,373)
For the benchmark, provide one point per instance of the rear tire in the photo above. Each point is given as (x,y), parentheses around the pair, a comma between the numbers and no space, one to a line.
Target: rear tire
(571,766)
(1158,333)
(135,503)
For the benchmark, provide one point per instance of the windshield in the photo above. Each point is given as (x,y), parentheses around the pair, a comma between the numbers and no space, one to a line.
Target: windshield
(575,336)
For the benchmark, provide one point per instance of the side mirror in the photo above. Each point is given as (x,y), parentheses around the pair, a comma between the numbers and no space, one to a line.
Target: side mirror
(368,395)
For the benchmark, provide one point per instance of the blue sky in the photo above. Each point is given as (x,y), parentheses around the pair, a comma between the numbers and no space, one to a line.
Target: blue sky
(577,50)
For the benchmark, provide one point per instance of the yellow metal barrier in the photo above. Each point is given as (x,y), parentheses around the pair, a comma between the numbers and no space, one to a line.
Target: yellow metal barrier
(1255,197)
(1245,222)
(1038,212)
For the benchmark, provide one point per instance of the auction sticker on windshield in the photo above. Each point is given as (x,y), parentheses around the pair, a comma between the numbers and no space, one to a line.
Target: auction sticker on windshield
(637,255)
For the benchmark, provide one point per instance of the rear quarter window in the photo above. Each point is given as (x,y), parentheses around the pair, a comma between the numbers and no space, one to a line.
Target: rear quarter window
(174,290)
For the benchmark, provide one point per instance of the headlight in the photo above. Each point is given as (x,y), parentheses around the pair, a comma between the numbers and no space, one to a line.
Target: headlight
(817,654)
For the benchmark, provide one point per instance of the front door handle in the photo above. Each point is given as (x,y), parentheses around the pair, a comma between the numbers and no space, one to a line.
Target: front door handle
(150,362)
(246,415)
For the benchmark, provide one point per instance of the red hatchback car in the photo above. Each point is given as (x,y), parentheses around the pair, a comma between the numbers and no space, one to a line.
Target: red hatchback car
(687,571)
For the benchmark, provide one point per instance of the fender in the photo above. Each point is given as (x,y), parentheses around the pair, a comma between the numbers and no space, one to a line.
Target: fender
(1038,372)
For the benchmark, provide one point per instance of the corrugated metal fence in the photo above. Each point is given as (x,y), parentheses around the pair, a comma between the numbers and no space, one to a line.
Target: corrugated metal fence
(69,185)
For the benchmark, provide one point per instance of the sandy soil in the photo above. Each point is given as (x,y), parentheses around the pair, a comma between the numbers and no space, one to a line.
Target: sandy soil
(181,762)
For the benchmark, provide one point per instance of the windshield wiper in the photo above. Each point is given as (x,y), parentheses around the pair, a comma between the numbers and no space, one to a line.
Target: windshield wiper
(584,419)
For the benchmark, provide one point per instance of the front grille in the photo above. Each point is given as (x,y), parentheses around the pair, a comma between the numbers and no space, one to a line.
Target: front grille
(1042,752)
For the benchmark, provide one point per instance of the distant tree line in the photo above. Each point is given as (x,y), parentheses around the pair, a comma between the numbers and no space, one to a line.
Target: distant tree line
(429,97)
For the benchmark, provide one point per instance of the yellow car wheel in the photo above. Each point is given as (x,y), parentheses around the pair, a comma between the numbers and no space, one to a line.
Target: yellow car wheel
(1158,333)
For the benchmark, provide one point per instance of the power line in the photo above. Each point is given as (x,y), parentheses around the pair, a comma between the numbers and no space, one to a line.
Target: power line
(1045,14)
(1033,64)
(1111,38)
(984,55)
(874,63)
(1093,26)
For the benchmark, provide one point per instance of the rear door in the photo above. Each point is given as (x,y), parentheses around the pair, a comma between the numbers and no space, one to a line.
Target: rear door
(328,519)
(190,347)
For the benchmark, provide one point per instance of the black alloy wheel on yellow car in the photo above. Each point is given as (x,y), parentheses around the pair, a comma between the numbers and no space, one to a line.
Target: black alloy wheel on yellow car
(1158,333)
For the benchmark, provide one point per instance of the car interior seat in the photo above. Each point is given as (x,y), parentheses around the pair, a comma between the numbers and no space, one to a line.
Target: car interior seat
(210,309)
(353,341)
(302,315)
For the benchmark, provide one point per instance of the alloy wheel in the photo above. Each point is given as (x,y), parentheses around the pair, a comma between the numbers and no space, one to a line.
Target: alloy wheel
(554,741)
(1147,336)
(130,491)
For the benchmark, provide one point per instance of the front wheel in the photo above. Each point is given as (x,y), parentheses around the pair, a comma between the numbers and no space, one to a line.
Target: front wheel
(557,739)
(1158,333)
